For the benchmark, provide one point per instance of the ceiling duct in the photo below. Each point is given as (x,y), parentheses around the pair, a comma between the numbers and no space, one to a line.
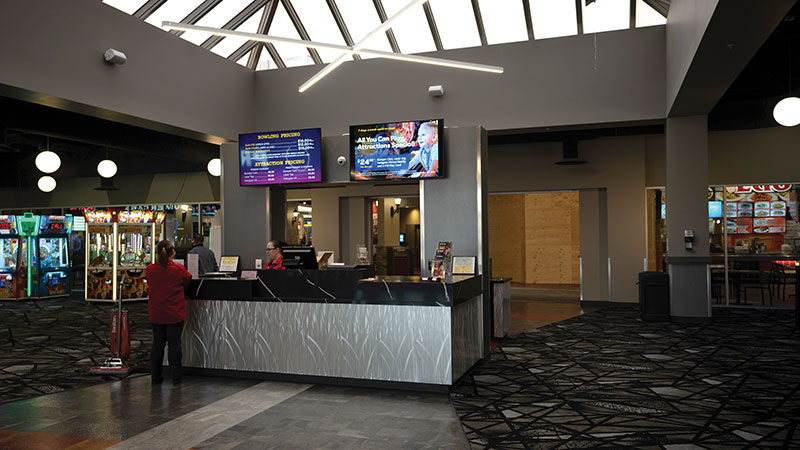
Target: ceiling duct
(106,184)
(570,152)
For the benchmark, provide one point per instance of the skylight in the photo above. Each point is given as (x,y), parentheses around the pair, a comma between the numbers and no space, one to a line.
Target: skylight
(606,15)
(646,16)
(455,20)
(126,6)
(504,21)
(411,30)
(457,23)
(216,18)
(553,19)
(320,25)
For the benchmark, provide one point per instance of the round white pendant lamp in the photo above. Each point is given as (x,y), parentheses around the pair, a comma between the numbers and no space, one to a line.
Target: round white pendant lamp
(46,183)
(215,167)
(107,168)
(47,161)
(787,112)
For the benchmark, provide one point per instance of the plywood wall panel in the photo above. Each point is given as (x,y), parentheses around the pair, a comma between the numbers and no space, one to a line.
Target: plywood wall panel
(552,244)
(507,236)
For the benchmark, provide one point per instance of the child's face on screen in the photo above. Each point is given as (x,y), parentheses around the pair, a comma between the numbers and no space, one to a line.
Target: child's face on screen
(427,137)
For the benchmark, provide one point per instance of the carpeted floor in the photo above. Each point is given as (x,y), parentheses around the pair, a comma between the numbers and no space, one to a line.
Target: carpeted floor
(607,380)
(49,345)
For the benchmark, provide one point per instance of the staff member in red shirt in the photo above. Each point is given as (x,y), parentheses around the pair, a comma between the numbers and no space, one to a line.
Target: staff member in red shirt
(275,255)
(167,309)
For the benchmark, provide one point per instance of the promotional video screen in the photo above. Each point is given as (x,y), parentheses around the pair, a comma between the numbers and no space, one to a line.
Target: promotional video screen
(397,150)
(280,157)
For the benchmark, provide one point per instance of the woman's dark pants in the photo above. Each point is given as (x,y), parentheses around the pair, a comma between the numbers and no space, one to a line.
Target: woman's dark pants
(166,334)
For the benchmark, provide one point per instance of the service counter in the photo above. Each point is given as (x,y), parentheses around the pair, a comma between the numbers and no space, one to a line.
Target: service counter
(336,325)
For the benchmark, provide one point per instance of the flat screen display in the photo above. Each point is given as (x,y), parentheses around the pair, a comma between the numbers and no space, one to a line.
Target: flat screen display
(397,150)
(280,157)
(715,209)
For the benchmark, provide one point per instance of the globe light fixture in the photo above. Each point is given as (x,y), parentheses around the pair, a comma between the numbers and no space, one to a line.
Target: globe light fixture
(215,167)
(46,183)
(107,168)
(47,161)
(787,112)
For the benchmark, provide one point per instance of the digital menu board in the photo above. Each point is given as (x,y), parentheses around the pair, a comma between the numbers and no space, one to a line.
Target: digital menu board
(397,150)
(280,157)
(756,217)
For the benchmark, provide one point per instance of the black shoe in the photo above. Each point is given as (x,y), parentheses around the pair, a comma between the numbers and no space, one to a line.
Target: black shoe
(177,381)
(156,380)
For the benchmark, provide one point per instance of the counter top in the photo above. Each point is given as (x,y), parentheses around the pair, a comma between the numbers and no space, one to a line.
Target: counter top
(349,287)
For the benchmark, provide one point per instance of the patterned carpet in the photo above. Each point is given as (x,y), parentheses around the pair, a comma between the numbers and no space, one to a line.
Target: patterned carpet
(48,346)
(608,380)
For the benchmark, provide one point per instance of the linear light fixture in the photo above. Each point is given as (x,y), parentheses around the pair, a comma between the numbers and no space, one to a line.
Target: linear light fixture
(347,51)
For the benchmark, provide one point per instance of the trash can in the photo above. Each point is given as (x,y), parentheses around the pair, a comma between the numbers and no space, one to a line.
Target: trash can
(654,296)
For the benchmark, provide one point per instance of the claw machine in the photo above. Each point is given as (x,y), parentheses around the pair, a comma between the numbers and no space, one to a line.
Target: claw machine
(120,243)
(52,269)
(16,236)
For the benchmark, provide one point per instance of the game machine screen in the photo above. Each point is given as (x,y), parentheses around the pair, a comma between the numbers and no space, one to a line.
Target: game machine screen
(137,232)
(52,253)
(99,255)
(13,257)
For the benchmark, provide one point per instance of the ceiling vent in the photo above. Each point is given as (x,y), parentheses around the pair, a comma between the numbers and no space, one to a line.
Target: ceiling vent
(570,153)
(106,184)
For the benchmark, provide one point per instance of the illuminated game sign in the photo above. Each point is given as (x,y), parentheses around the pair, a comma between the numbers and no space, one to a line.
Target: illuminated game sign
(280,157)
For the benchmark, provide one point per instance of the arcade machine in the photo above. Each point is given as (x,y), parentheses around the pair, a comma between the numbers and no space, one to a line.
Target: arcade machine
(120,242)
(52,267)
(16,235)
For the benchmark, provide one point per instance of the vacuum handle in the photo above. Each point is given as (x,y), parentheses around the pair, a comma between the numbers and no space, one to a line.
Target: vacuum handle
(119,316)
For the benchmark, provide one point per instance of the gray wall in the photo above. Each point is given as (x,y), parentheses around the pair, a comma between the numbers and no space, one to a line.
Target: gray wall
(546,83)
(686,24)
(245,225)
(52,53)
(594,244)
(614,164)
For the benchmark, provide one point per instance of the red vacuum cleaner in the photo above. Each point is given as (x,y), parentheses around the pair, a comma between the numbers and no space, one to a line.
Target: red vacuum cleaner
(120,342)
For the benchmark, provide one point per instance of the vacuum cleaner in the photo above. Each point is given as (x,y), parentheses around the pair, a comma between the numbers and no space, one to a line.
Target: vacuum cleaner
(120,336)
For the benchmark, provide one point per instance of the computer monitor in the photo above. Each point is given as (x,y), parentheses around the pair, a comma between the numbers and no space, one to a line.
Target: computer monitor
(299,258)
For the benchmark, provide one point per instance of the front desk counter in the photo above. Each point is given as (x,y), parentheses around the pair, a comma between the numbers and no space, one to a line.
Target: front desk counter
(335,326)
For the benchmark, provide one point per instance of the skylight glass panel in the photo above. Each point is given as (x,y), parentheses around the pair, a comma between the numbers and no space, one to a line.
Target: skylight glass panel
(411,30)
(456,23)
(320,25)
(126,6)
(646,16)
(230,44)
(265,62)
(243,60)
(282,26)
(172,11)
(606,15)
(553,18)
(361,17)
(216,18)
(504,21)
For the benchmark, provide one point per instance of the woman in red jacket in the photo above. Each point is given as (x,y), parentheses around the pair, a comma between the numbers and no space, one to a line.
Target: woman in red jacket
(167,309)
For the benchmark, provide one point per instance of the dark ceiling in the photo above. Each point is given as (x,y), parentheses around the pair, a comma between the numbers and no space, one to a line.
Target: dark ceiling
(770,76)
(83,141)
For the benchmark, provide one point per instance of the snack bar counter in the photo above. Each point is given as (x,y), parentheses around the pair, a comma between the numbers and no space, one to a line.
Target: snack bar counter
(335,325)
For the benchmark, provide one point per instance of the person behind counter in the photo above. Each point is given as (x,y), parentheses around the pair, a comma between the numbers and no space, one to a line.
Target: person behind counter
(275,255)
(167,309)
(206,260)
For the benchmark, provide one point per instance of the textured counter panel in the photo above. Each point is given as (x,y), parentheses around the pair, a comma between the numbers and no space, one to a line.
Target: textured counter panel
(467,326)
(376,342)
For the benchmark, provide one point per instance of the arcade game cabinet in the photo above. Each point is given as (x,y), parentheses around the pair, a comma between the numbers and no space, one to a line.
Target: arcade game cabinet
(52,257)
(15,247)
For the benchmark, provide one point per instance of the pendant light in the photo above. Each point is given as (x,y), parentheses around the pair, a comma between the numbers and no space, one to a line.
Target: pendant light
(47,161)
(46,183)
(107,168)
(787,111)
(215,167)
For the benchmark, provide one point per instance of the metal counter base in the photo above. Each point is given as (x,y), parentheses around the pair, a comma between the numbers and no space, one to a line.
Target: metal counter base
(428,345)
